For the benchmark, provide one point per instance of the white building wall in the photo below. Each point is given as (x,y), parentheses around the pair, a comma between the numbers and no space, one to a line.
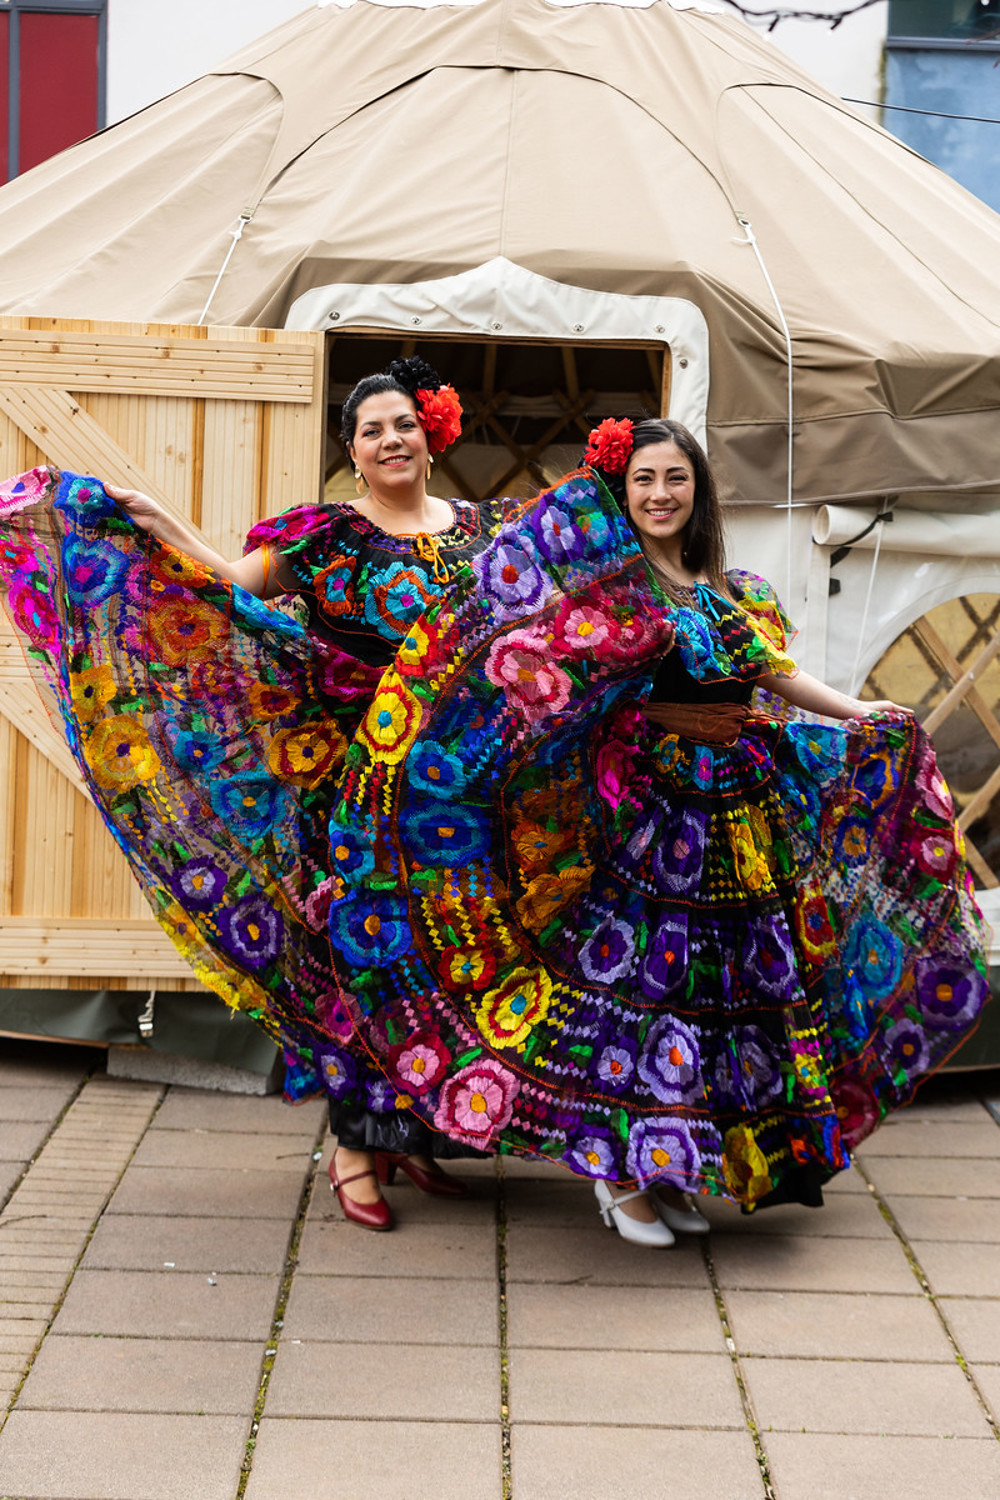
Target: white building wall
(846,60)
(154,49)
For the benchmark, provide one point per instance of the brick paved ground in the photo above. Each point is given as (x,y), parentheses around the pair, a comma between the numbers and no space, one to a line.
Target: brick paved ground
(184,1315)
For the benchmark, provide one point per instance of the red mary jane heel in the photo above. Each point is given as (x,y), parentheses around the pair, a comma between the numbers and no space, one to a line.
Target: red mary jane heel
(368,1215)
(437,1183)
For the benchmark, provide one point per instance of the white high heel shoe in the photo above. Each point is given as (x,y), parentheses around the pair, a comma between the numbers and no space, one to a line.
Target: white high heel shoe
(685,1220)
(656,1235)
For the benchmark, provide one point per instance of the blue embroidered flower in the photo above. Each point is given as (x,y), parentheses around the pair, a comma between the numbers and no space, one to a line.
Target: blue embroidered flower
(662,1151)
(445,834)
(195,749)
(256,614)
(93,570)
(370,928)
(396,596)
(694,642)
(431,769)
(81,496)
(875,955)
(351,853)
(250,804)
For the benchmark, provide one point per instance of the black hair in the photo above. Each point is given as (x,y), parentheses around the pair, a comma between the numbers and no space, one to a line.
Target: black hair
(407,376)
(704,548)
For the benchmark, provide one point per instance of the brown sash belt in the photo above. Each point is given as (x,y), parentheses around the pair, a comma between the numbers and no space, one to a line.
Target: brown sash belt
(705,723)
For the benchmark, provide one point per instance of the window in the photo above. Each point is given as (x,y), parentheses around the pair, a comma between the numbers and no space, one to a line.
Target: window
(52,55)
(958,20)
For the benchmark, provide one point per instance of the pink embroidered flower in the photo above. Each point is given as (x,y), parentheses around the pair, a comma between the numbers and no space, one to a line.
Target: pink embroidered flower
(937,855)
(333,1015)
(586,629)
(23,490)
(935,790)
(477,1101)
(419,1062)
(857,1109)
(519,663)
(614,770)
(34,614)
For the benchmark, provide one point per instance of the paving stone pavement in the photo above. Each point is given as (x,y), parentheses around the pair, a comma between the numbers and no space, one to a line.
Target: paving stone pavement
(185,1315)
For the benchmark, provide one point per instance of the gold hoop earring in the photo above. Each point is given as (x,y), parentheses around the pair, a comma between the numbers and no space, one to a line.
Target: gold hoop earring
(359,482)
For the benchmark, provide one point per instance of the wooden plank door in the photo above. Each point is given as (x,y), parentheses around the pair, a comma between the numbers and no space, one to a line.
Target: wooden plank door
(221,425)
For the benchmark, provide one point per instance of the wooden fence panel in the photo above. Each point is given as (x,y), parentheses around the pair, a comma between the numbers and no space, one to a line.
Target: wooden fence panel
(222,426)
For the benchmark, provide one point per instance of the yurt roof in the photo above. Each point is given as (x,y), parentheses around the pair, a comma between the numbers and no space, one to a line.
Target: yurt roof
(615,149)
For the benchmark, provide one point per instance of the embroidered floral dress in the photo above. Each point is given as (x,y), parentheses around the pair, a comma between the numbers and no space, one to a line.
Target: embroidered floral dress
(211,728)
(568,930)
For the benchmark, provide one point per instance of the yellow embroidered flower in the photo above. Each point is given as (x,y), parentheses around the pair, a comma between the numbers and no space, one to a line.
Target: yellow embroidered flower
(390,726)
(744,1166)
(548,894)
(751,865)
(119,754)
(307,755)
(91,690)
(506,1015)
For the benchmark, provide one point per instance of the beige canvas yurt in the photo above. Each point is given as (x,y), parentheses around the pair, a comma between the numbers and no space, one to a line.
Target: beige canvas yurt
(575,210)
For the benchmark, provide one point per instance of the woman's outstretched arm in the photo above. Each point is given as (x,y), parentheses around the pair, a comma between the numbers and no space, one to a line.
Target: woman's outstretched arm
(260,572)
(815,697)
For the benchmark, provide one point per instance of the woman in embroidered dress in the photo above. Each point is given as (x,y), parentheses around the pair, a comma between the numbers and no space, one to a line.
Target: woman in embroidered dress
(692,944)
(211,729)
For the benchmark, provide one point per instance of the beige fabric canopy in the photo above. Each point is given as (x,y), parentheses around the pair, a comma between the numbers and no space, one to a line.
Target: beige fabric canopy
(605,148)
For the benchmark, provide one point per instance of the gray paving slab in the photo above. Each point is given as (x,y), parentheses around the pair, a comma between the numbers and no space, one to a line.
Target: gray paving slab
(960,1269)
(567,1256)
(858,1396)
(837,1325)
(157,1242)
(629,1388)
(940,1176)
(20,1140)
(412,1382)
(987,1378)
(616,1463)
(820,1466)
(845,1215)
(975,1323)
(227,1150)
(213,1194)
(379,1310)
(143,1374)
(346,1460)
(556,1201)
(169,1304)
(974,1219)
(601,1317)
(921,1139)
(20,1103)
(810,1263)
(457,1250)
(200,1109)
(39,1070)
(49,1455)
(10,1171)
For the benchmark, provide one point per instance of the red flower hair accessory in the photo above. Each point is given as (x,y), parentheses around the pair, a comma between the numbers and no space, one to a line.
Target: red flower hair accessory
(440,414)
(609,446)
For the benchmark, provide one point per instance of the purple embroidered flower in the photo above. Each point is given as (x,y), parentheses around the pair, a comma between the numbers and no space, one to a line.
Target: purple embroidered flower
(950,997)
(616,1064)
(380,1095)
(93,570)
(759,1075)
(608,952)
(200,884)
(338,1071)
(908,1048)
(768,958)
(677,859)
(252,931)
(670,1062)
(665,968)
(559,539)
(515,580)
(662,1151)
(594,1154)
